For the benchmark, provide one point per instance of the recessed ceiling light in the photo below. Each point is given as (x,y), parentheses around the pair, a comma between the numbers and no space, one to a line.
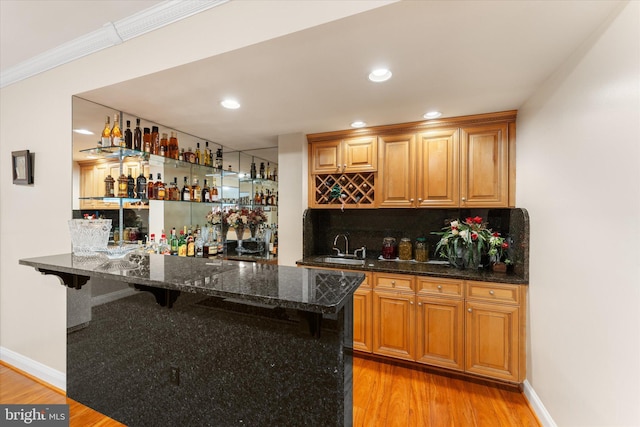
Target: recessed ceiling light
(380,75)
(83,131)
(358,124)
(231,104)
(432,115)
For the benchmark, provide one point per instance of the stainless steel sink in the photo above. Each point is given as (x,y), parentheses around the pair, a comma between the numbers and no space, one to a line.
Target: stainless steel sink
(340,260)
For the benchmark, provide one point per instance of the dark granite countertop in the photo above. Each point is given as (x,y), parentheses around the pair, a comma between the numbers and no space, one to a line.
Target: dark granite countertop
(310,290)
(418,269)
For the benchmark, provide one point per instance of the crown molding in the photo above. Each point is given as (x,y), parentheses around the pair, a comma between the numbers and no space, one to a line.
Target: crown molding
(111,34)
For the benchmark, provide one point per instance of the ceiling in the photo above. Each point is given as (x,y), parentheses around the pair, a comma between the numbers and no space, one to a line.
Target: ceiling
(456,57)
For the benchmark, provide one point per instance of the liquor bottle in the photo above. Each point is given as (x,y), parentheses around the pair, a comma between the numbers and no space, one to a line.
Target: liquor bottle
(207,154)
(219,159)
(128,136)
(182,243)
(151,247)
(173,242)
(159,191)
(116,133)
(188,156)
(261,175)
(174,149)
(131,186)
(122,186)
(197,191)
(253,172)
(256,198)
(206,193)
(268,172)
(137,136)
(199,244)
(146,140)
(181,155)
(163,245)
(262,198)
(191,244)
(155,140)
(198,155)
(214,192)
(275,173)
(141,185)
(164,145)
(106,133)
(108,186)
(186,191)
(174,191)
(150,188)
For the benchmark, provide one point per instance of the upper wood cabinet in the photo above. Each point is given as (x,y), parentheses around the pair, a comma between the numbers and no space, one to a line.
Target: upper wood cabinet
(344,155)
(484,171)
(396,178)
(455,162)
(419,170)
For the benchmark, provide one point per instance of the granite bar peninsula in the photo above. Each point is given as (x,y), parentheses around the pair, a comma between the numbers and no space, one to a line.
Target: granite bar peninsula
(212,342)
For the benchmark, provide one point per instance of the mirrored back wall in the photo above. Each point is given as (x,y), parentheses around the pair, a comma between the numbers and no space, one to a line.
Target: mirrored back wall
(89,121)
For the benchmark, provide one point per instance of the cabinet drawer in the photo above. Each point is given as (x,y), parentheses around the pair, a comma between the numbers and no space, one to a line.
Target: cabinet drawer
(444,287)
(393,281)
(498,292)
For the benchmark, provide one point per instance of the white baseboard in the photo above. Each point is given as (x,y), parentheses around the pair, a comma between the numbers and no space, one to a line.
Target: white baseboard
(42,372)
(537,405)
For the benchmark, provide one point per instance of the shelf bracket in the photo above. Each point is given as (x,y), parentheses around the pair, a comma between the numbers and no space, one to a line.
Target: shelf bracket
(164,297)
(74,281)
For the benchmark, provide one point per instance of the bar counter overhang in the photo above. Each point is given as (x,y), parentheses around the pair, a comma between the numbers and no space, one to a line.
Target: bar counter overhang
(212,342)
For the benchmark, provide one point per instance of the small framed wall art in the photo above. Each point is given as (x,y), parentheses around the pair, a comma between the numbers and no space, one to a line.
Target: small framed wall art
(22,167)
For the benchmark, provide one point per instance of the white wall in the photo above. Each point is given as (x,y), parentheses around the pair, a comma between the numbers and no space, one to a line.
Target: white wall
(578,162)
(292,190)
(36,114)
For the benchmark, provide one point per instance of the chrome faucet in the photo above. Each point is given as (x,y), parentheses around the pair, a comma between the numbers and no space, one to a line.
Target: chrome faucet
(346,245)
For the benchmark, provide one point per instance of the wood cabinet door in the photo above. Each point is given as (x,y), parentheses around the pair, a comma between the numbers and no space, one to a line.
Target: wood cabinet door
(325,157)
(396,172)
(484,173)
(440,332)
(437,171)
(492,340)
(360,154)
(394,324)
(362,319)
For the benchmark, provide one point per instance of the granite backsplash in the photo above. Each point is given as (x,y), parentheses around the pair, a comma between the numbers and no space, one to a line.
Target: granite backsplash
(367,227)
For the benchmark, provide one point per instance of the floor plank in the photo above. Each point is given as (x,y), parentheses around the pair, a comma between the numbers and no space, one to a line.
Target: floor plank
(385,394)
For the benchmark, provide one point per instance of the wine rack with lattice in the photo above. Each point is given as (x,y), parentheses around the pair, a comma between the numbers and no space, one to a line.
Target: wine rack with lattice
(350,188)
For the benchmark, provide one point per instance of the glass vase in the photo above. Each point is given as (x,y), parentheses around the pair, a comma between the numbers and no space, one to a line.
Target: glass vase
(239,236)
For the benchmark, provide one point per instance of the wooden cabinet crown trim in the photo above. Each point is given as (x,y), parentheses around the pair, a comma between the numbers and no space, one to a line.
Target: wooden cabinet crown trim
(462,121)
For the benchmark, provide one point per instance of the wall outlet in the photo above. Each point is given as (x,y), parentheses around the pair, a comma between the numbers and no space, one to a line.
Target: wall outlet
(174,375)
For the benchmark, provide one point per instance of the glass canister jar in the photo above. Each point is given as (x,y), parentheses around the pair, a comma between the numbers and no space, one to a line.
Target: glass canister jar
(405,249)
(389,248)
(421,253)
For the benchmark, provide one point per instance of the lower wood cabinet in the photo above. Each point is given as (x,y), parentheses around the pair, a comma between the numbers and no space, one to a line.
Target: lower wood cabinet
(394,324)
(362,315)
(472,327)
(466,326)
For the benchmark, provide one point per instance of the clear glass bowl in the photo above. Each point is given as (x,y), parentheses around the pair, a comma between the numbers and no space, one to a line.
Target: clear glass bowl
(89,236)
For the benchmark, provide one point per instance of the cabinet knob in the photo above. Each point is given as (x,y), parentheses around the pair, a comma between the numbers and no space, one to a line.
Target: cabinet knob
(344,167)
(439,286)
(393,283)
(469,310)
(419,303)
(491,292)
(420,199)
(411,302)
(411,200)
(338,168)
(464,199)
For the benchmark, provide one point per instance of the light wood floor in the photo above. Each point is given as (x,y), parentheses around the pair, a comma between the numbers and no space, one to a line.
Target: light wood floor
(385,395)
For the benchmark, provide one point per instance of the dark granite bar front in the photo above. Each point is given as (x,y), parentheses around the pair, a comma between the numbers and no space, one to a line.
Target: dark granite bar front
(242,344)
